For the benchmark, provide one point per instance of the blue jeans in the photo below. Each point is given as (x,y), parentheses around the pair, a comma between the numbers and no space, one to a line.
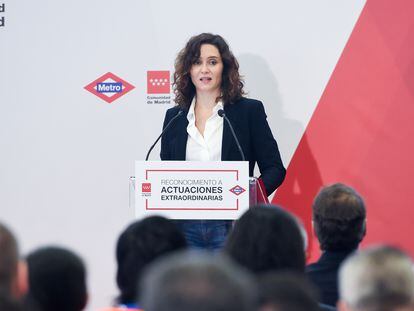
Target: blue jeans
(205,234)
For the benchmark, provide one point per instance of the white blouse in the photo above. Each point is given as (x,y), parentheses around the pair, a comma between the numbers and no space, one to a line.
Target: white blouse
(207,148)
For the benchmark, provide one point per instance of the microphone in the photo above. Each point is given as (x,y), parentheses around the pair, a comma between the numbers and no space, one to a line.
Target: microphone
(222,114)
(163,131)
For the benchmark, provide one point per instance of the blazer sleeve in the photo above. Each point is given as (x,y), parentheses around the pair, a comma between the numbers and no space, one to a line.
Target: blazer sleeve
(265,149)
(165,153)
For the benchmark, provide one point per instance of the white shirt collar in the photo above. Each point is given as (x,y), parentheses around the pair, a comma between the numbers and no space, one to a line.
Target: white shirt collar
(191,112)
(207,147)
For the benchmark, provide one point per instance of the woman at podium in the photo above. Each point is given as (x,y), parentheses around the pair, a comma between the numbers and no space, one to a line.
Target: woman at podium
(207,84)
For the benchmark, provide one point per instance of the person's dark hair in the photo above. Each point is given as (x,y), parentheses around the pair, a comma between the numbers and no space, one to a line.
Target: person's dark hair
(286,291)
(267,238)
(232,83)
(141,243)
(8,260)
(339,218)
(57,280)
(199,281)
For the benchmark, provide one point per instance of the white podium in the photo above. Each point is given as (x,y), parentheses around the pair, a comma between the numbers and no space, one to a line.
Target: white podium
(191,189)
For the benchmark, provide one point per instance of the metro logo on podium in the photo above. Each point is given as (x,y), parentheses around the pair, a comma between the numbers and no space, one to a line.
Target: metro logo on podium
(237,190)
(191,189)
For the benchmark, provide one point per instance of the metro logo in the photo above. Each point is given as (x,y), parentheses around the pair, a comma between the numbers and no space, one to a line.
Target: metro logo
(158,82)
(109,87)
(237,190)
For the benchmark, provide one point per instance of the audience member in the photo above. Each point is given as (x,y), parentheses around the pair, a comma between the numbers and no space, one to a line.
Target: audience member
(267,238)
(197,281)
(13,273)
(140,244)
(339,224)
(377,279)
(286,291)
(57,280)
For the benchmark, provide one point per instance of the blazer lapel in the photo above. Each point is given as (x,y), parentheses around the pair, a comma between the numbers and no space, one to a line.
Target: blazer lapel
(181,138)
(228,139)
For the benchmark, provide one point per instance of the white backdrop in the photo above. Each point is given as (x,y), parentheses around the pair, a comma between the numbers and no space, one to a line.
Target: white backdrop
(66,155)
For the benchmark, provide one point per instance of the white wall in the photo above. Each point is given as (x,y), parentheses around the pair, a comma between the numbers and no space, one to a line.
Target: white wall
(66,155)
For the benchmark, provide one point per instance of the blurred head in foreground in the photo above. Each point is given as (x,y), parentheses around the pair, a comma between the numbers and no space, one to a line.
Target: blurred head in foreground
(286,291)
(57,280)
(377,279)
(197,281)
(140,244)
(13,272)
(267,238)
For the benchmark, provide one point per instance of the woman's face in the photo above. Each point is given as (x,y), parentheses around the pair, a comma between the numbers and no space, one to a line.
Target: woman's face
(207,71)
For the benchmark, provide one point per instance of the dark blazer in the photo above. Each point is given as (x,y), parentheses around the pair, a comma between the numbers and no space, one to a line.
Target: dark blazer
(324,275)
(252,130)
